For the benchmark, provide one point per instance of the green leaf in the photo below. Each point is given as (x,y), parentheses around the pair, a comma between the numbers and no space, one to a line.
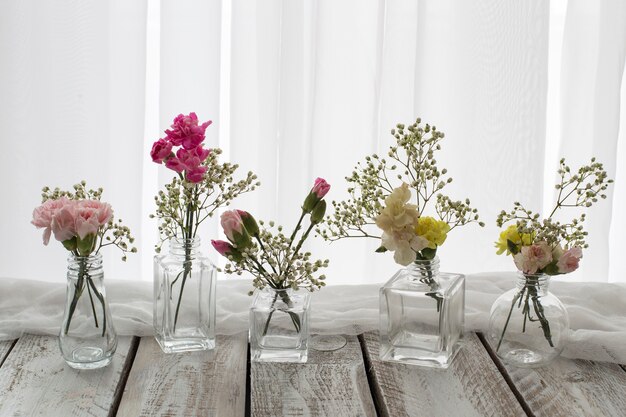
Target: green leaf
(512,247)
(382,249)
(428,253)
(70,244)
(551,269)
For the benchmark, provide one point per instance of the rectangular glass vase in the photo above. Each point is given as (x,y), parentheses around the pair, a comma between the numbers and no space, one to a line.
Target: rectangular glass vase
(422,314)
(279,326)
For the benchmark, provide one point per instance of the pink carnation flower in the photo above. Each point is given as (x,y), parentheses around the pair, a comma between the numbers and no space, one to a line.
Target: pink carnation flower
(175,164)
(64,222)
(320,188)
(91,215)
(42,216)
(196,174)
(222,247)
(231,223)
(185,131)
(533,258)
(161,149)
(569,260)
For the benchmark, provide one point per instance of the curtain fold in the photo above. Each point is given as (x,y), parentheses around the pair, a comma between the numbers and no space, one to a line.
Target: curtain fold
(304,88)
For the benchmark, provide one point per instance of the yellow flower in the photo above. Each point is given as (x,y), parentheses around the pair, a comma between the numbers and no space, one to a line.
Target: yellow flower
(511,233)
(435,231)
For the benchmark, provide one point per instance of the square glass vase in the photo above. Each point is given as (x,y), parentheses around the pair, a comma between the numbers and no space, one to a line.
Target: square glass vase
(184,298)
(279,325)
(422,315)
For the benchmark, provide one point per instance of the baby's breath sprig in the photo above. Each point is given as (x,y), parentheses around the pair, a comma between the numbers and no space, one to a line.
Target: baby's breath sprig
(412,161)
(581,189)
(184,205)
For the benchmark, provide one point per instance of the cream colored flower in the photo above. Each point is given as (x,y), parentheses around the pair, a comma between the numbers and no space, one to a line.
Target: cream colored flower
(397,213)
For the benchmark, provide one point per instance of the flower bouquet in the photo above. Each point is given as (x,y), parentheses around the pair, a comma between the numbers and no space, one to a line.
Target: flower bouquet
(421,309)
(84,225)
(279,316)
(184,316)
(528,325)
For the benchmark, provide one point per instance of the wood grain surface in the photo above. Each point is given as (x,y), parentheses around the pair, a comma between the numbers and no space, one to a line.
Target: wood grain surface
(330,384)
(36,381)
(471,387)
(187,384)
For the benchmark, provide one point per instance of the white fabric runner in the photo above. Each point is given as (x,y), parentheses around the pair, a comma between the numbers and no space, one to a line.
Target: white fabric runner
(597,310)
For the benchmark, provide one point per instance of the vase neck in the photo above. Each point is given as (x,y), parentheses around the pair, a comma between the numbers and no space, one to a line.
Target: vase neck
(533,282)
(425,268)
(185,247)
(78,266)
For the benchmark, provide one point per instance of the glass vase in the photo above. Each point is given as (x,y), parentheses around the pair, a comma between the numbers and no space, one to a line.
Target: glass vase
(528,325)
(87,338)
(422,315)
(279,325)
(184,298)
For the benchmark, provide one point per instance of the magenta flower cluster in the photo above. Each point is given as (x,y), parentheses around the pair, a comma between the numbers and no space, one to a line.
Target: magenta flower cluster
(187,135)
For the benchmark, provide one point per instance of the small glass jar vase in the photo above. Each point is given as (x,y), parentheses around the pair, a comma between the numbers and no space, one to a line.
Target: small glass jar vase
(528,325)
(279,325)
(422,315)
(184,298)
(87,338)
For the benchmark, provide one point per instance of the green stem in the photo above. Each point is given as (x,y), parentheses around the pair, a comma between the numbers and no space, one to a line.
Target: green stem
(101,298)
(93,307)
(293,235)
(506,324)
(78,289)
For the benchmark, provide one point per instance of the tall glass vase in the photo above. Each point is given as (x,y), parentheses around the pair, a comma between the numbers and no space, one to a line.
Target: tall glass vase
(87,338)
(422,315)
(528,325)
(184,298)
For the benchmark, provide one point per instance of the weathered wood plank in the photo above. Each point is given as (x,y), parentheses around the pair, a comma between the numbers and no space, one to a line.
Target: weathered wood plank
(187,384)
(329,384)
(572,388)
(471,387)
(35,381)
(5,348)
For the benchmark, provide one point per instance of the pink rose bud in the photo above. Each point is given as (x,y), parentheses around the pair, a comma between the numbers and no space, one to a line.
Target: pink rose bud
(321,188)
(160,150)
(569,260)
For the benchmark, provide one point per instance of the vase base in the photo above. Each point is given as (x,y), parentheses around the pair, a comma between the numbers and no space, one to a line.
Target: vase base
(525,358)
(88,358)
(419,357)
(279,355)
(185,345)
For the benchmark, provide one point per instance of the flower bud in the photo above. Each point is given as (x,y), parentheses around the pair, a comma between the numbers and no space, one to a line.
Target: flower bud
(317,215)
(317,193)
(249,222)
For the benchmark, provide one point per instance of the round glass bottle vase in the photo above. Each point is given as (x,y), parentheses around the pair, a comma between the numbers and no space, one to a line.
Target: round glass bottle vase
(87,338)
(422,313)
(279,325)
(528,325)
(184,298)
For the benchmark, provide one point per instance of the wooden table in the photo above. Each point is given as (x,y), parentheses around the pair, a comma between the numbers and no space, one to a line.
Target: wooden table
(142,381)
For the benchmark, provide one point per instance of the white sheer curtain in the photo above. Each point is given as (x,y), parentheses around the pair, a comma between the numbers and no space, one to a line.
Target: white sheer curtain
(305,88)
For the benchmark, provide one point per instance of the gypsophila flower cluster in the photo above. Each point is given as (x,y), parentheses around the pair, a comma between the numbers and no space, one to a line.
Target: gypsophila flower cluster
(382,184)
(183,204)
(276,262)
(85,226)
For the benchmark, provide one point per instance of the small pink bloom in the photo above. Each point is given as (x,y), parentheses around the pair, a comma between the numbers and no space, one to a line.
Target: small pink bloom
(102,211)
(196,174)
(42,215)
(185,131)
(568,262)
(161,149)
(320,188)
(202,153)
(231,223)
(188,158)
(533,258)
(174,164)
(222,247)
(64,223)
(86,226)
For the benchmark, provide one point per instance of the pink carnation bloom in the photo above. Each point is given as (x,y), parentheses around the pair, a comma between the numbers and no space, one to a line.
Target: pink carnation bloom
(42,216)
(185,131)
(161,149)
(91,215)
(231,223)
(533,258)
(222,247)
(568,262)
(196,174)
(175,164)
(64,222)
(320,188)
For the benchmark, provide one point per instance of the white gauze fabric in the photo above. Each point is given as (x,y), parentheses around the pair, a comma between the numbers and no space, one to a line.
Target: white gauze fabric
(597,310)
